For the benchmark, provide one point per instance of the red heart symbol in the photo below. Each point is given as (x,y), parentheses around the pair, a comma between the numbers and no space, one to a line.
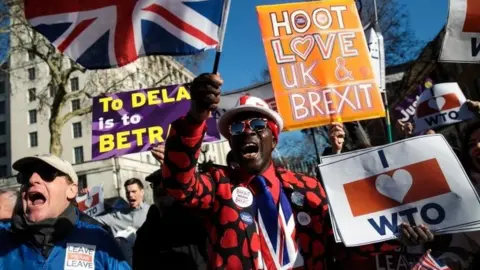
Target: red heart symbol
(229,239)
(365,71)
(227,215)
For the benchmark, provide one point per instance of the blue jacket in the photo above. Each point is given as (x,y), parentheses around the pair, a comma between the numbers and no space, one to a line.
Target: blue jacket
(87,247)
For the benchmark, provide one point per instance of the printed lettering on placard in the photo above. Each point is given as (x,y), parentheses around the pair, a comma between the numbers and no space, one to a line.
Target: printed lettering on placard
(397,187)
(79,257)
(319,63)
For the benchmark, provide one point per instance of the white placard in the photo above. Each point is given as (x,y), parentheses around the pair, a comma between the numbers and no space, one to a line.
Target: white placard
(92,203)
(461,43)
(416,180)
(442,105)
(332,158)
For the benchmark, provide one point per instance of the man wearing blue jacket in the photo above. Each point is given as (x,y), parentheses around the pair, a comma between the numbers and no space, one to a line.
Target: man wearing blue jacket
(46,230)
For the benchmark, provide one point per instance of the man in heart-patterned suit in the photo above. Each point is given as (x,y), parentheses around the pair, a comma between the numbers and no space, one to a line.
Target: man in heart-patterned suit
(258,216)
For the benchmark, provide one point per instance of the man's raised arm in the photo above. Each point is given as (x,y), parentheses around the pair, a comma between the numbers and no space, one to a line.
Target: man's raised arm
(182,147)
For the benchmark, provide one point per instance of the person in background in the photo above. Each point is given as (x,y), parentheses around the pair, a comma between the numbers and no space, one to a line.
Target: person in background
(336,135)
(172,237)
(46,230)
(248,207)
(125,222)
(8,199)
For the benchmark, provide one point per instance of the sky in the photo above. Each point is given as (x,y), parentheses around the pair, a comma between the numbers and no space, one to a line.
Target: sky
(243,56)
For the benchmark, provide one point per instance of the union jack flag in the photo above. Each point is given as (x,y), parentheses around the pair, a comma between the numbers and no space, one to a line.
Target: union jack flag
(427,262)
(107,33)
(277,233)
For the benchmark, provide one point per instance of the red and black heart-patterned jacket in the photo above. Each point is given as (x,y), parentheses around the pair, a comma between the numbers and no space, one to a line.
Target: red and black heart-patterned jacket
(234,242)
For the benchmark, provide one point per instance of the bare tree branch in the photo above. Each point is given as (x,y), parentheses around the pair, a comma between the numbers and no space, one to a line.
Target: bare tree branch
(25,40)
(157,83)
(63,120)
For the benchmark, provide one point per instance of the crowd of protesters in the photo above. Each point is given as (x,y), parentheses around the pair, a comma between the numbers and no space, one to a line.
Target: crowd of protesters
(249,214)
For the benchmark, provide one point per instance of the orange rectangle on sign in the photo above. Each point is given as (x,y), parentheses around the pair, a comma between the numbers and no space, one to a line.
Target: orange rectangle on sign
(319,63)
(472,18)
(427,180)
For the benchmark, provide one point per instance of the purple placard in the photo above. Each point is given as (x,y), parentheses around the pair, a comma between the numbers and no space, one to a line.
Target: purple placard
(405,110)
(174,103)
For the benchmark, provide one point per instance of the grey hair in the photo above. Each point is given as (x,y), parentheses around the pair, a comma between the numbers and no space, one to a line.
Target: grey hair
(11,195)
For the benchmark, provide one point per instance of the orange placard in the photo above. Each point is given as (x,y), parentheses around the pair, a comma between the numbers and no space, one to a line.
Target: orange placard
(319,63)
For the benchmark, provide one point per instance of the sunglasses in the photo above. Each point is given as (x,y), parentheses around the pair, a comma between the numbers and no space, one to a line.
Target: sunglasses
(255,124)
(47,173)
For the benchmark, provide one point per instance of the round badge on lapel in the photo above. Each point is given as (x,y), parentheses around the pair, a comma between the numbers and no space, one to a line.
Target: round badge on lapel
(246,217)
(297,198)
(242,197)
(304,218)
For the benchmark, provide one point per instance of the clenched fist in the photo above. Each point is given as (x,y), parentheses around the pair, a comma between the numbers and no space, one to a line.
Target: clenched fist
(205,92)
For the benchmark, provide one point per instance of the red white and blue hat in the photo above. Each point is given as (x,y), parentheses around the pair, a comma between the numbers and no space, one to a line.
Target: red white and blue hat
(248,103)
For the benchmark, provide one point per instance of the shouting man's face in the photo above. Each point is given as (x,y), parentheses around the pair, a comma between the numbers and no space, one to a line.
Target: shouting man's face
(134,195)
(46,192)
(252,142)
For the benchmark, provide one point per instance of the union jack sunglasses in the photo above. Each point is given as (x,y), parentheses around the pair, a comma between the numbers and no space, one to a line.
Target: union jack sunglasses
(255,124)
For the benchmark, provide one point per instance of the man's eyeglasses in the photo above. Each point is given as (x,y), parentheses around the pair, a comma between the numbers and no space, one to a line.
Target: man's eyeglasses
(255,124)
(47,173)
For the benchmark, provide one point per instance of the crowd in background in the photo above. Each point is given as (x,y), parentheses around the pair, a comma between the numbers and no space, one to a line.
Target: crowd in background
(196,221)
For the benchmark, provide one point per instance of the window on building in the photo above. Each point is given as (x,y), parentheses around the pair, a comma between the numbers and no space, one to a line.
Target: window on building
(77,130)
(32,116)
(3,149)
(3,128)
(74,84)
(32,94)
(3,86)
(82,181)
(51,91)
(2,107)
(31,56)
(78,154)
(75,105)
(3,171)
(33,138)
(31,74)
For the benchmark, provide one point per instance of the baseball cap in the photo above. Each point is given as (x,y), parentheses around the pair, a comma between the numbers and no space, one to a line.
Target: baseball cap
(248,103)
(52,160)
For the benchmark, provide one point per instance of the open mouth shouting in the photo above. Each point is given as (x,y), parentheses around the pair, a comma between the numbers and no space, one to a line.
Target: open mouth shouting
(35,199)
(250,150)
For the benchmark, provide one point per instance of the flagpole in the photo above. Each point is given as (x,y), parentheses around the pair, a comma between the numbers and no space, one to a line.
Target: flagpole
(223,28)
(382,86)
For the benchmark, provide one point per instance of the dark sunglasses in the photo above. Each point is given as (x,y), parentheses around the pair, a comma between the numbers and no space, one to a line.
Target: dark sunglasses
(47,173)
(255,124)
